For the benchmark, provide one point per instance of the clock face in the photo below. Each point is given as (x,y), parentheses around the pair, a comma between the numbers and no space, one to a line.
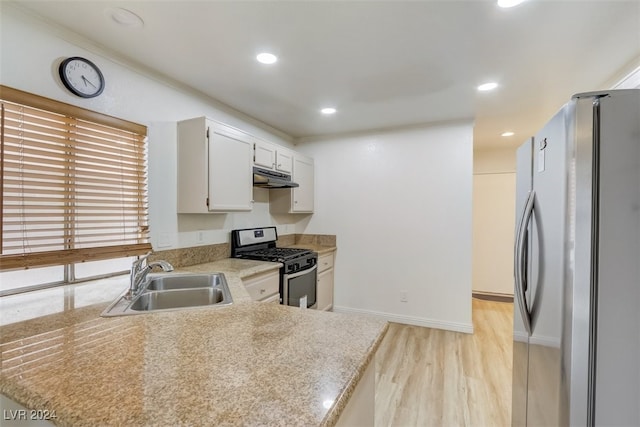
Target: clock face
(82,77)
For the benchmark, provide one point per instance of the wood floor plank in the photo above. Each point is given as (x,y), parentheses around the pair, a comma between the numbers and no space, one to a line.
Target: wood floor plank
(432,377)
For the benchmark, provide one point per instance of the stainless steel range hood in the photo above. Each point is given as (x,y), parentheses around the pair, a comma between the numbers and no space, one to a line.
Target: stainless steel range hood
(265,178)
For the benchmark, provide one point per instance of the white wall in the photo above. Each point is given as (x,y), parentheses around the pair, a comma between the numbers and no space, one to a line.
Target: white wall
(30,53)
(493,220)
(400,204)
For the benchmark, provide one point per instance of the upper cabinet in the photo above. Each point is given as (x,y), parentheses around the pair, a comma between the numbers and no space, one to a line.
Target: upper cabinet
(284,160)
(215,170)
(272,157)
(299,199)
(264,154)
(214,167)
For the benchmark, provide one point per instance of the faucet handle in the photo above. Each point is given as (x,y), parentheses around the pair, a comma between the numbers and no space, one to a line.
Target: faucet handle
(140,263)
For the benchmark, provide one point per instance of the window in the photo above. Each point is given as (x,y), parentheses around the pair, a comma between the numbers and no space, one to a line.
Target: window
(74,190)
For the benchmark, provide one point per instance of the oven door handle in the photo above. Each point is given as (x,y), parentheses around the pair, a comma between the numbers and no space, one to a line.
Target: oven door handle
(300,273)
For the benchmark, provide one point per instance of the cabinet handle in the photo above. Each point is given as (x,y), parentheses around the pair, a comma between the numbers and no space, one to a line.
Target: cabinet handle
(262,291)
(295,201)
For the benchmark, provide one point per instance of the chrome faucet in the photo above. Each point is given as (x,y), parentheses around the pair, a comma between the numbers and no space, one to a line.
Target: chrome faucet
(139,270)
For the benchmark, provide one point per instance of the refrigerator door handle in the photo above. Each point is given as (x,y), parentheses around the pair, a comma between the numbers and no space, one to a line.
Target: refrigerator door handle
(520,261)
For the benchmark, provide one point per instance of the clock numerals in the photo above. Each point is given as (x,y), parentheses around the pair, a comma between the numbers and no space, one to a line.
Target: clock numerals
(81,77)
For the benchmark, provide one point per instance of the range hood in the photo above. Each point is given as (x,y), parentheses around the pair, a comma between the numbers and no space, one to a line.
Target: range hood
(265,178)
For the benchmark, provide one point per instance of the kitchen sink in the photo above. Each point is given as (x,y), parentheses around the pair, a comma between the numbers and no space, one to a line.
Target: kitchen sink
(174,292)
(163,300)
(182,281)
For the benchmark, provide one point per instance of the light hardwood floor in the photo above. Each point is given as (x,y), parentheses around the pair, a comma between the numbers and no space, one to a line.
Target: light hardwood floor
(431,377)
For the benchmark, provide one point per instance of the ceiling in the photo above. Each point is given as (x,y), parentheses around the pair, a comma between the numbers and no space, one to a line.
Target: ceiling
(381,64)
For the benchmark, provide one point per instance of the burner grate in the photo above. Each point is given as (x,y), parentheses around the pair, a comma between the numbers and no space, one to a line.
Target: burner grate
(278,252)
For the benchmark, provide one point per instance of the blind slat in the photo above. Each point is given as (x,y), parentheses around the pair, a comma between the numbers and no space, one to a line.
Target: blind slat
(18,169)
(44,157)
(105,216)
(130,182)
(124,148)
(14,142)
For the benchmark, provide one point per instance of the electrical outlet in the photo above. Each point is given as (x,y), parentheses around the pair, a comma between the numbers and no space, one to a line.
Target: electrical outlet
(200,236)
(403,296)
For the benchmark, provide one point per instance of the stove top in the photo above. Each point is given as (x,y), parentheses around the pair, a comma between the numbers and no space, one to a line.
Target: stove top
(275,254)
(260,244)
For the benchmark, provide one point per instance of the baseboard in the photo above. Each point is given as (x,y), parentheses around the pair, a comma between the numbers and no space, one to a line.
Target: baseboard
(408,320)
(493,296)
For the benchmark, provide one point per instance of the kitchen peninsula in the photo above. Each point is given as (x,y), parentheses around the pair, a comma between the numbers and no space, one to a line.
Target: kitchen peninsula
(247,364)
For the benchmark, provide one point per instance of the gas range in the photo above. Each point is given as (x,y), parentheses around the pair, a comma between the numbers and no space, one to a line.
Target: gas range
(260,244)
(298,275)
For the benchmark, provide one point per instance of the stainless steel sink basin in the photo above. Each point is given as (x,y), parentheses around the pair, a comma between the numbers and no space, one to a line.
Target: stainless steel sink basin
(182,281)
(163,300)
(174,292)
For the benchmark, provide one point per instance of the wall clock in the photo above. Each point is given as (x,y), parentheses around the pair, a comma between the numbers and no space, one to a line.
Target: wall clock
(82,77)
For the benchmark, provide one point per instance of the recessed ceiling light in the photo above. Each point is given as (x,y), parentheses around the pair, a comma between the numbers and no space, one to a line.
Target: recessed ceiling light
(328,110)
(508,133)
(487,86)
(509,3)
(124,17)
(267,58)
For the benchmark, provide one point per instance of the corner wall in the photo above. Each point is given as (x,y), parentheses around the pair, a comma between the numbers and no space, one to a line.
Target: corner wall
(400,205)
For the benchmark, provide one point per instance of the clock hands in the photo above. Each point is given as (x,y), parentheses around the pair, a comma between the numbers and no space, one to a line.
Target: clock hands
(87,81)
(81,77)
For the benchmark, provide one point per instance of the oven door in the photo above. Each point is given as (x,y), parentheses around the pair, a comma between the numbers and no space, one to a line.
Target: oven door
(299,287)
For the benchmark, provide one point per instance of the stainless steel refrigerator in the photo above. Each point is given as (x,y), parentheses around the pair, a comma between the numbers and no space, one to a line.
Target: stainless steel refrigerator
(576,348)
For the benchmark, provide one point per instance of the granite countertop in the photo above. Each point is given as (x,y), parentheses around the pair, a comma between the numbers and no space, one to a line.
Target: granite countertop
(246,364)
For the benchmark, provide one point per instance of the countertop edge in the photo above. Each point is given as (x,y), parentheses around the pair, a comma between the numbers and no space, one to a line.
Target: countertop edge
(333,415)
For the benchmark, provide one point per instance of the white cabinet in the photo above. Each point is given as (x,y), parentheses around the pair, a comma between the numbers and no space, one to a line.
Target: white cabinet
(214,167)
(284,161)
(272,157)
(264,154)
(325,282)
(264,287)
(299,199)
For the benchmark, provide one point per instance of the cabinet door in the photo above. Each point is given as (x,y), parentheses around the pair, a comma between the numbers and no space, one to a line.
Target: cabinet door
(264,155)
(263,287)
(325,262)
(284,161)
(192,165)
(325,290)
(303,195)
(230,170)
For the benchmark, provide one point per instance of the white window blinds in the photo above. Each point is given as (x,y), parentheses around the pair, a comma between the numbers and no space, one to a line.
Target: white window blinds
(74,184)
